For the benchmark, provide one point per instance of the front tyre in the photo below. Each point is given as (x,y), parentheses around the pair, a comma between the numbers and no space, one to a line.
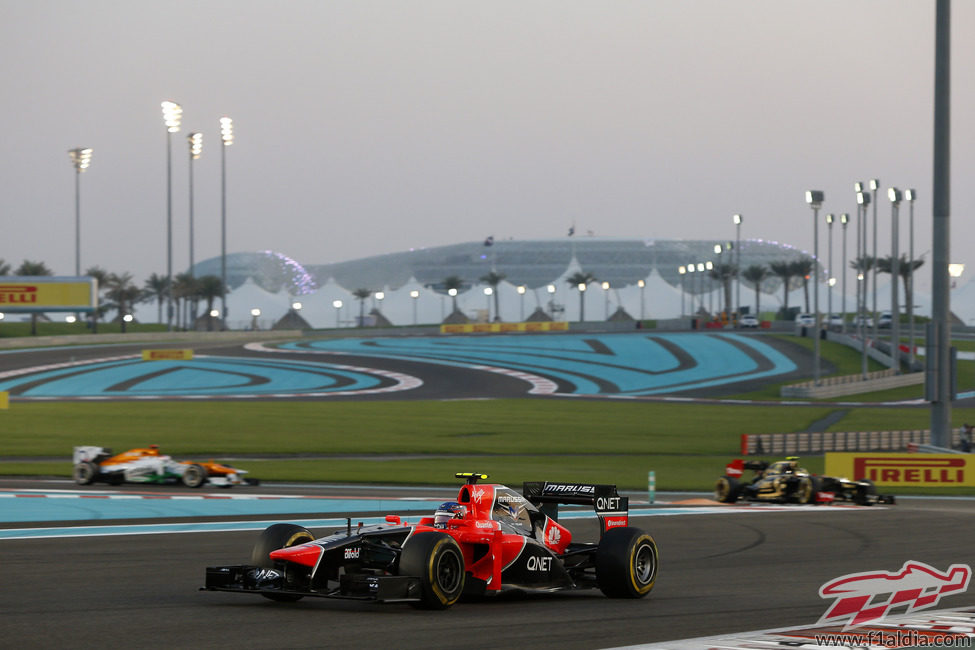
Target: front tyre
(866,493)
(436,559)
(808,489)
(85,473)
(194,476)
(626,563)
(274,537)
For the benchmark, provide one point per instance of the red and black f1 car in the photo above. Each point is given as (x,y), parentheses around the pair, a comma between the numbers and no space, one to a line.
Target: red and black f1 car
(785,481)
(491,539)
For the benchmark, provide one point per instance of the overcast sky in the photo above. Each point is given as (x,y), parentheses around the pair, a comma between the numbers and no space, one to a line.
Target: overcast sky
(365,127)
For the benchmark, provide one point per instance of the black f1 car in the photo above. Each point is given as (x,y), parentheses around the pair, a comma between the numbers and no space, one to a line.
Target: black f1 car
(491,539)
(785,481)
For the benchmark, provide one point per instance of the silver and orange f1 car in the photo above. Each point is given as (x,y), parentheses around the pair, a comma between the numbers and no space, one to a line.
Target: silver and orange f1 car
(490,540)
(147,465)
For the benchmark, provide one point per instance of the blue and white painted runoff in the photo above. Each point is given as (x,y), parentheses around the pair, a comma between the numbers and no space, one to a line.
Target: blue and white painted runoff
(204,376)
(622,365)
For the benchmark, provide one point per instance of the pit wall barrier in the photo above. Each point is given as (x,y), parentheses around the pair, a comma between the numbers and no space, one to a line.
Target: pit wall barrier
(477,328)
(905,470)
(819,442)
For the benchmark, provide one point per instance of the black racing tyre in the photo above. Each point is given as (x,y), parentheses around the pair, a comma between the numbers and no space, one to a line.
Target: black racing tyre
(865,490)
(85,473)
(807,489)
(194,476)
(274,537)
(436,559)
(727,489)
(626,563)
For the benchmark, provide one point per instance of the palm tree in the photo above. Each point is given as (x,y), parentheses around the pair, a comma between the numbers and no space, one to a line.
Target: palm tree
(184,287)
(28,268)
(803,268)
(905,271)
(456,283)
(101,276)
(209,288)
(783,270)
(724,273)
(155,288)
(121,290)
(493,279)
(756,274)
(361,295)
(580,279)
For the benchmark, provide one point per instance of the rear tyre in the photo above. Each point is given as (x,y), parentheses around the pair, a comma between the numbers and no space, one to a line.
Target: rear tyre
(865,490)
(194,476)
(807,489)
(626,563)
(85,473)
(436,559)
(275,537)
(727,489)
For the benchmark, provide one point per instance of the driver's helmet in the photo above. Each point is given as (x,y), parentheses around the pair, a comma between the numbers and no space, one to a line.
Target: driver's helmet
(447,511)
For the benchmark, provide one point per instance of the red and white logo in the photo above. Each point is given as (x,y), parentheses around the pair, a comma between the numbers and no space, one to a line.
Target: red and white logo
(735,468)
(866,597)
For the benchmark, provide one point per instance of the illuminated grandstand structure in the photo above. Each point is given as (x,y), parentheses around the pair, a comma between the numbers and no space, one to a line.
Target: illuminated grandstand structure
(533,264)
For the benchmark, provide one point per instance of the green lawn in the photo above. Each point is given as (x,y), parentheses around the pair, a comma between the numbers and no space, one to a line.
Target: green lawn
(425,442)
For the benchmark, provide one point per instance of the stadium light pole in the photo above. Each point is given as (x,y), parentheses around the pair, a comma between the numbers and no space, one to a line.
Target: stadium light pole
(643,285)
(894,195)
(551,300)
(81,159)
(863,200)
(605,286)
(874,188)
(844,221)
(815,200)
(737,221)
(910,196)
(582,301)
(830,280)
(414,294)
(488,292)
(938,388)
(700,284)
(195,141)
(338,311)
(521,293)
(709,266)
(227,137)
(682,271)
(172,117)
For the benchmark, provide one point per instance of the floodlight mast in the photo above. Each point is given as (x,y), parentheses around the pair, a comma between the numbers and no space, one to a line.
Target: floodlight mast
(815,200)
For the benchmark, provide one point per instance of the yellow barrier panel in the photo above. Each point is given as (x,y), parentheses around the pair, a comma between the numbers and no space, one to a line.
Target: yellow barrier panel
(167,355)
(4,399)
(19,294)
(902,470)
(480,328)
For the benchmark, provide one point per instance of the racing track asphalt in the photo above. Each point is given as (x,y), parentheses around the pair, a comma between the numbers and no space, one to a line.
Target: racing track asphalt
(719,573)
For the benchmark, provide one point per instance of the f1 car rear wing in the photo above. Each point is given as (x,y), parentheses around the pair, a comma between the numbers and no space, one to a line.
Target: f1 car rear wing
(611,508)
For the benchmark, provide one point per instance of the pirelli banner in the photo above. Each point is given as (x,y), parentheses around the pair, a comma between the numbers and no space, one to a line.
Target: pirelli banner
(34,294)
(902,470)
